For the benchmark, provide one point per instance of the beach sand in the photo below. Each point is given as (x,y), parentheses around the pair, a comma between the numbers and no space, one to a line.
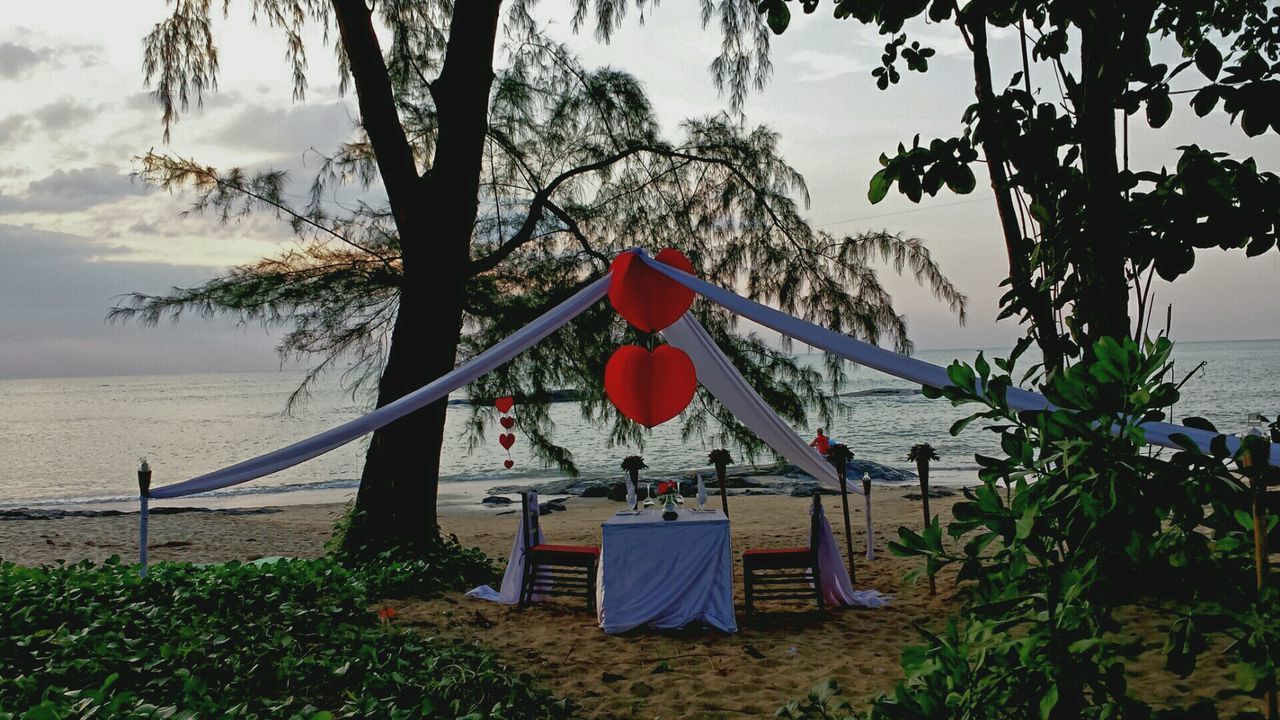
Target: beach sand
(694,673)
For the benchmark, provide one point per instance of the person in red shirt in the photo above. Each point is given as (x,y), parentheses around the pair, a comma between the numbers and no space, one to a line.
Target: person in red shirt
(822,443)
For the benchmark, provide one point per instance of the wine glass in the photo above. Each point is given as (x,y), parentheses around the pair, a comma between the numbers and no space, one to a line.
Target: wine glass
(648,495)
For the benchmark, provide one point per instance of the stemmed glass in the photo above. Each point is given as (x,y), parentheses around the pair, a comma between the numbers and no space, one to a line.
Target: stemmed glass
(648,495)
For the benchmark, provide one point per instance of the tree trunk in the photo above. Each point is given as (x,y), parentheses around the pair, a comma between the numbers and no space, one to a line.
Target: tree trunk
(1018,248)
(1103,305)
(435,216)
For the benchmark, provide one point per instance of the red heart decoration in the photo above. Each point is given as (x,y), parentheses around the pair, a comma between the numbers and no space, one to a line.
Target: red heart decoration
(504,403)
(650,388)
(506,440)
(507,422)
(508,463)
(648,299)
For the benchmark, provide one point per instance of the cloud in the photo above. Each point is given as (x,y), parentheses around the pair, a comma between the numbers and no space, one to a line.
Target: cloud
(17,61)
(63,114)
(817,66)
(14,129)
(56,289)
(296,128)
(73,190)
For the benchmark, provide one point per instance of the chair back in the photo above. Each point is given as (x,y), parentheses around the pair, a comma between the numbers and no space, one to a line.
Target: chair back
(529,519)
(815,522)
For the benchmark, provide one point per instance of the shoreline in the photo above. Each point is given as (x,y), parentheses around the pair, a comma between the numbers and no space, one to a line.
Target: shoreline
(465,493)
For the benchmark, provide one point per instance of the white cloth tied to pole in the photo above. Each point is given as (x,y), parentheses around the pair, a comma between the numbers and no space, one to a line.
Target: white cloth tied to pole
(849,348)
(902,366)
(509,594)
(477,366)
(723,380)
(837,588)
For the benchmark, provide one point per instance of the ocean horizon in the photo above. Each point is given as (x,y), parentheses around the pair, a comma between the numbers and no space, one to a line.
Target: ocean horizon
(77,440)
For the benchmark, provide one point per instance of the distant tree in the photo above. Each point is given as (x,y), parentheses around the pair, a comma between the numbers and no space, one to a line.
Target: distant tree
(506,191)
(1085,233)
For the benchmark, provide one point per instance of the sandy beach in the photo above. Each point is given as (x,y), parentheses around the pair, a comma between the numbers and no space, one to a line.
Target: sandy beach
(694,673)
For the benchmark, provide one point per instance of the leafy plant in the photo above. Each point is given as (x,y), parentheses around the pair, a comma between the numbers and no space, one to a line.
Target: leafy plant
(1094,523)
(294,638)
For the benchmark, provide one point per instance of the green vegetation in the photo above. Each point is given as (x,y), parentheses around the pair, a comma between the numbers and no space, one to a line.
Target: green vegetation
(293,638)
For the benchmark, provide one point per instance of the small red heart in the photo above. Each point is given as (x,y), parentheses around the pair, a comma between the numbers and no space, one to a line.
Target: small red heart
(650,388)
(508,463)
(648,299)
(506,440)
(507,422)
(504,403)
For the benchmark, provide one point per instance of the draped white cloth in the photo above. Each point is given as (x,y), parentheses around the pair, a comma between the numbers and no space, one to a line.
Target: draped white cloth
(665,573)
(477,366)
(509,594)
(837,587)
(901,366)
(723,380)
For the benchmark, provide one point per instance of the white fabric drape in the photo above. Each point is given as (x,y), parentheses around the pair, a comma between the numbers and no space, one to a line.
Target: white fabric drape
(509,594)
(723,380)
(837,587)
(477,366)
(901,366)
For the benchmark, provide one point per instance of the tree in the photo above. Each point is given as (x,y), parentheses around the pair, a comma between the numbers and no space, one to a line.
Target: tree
(506,190)
(1082,230)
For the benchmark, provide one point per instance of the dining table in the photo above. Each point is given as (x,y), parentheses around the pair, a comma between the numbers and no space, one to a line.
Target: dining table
(665,573)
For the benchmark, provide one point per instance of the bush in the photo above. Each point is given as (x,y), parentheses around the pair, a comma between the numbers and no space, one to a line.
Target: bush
(293,638)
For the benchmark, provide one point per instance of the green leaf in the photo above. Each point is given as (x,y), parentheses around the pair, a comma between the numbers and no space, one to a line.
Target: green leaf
(779,17)
(880,184)
(1159,107)
(1209,60)
(1048,701)
(961,180)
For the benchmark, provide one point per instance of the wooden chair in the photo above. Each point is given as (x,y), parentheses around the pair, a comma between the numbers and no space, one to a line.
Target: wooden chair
(555,569)
(785,573)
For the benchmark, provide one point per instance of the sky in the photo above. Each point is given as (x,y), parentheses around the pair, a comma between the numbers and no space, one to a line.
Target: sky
(76,231)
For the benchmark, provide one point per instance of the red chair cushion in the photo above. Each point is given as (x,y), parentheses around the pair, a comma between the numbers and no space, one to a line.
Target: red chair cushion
(577,549)
(775,551)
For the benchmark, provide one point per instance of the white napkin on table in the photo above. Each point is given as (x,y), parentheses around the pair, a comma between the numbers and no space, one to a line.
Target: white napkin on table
(631,492)
(702,492)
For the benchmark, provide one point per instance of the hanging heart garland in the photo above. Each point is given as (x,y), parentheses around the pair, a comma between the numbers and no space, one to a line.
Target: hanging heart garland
(506,440)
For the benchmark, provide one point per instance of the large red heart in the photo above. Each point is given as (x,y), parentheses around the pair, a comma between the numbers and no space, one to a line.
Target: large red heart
(650,388)
(504,403)
(508,463)
(506,440)
(507,422)
(648,299)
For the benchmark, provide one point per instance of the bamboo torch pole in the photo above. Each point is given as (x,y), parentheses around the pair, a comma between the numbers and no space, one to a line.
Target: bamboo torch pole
(866,494)
(144,494)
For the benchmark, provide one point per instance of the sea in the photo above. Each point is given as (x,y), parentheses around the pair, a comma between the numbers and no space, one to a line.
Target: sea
(71,442)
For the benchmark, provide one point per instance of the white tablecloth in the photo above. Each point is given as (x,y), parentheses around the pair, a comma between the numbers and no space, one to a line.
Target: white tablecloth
(665,574)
